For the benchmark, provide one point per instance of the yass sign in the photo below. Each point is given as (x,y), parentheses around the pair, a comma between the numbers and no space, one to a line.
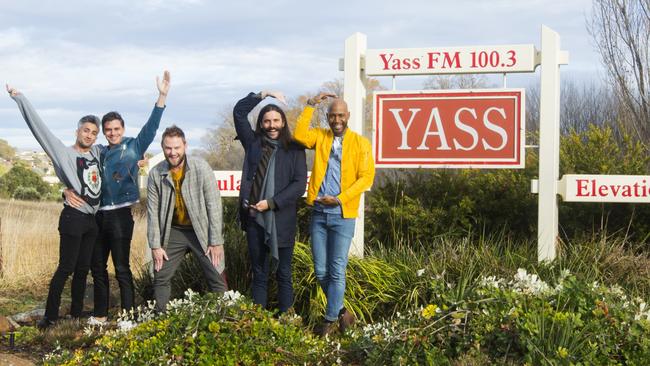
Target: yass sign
(449,128)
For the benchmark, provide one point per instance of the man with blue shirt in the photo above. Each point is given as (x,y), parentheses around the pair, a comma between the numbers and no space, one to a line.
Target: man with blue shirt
(343,170)
(119,192)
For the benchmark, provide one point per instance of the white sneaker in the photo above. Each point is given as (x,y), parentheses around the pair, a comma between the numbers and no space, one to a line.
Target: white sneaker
(96,322)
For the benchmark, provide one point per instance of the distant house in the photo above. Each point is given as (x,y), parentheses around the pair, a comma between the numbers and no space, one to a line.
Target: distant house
(51,179)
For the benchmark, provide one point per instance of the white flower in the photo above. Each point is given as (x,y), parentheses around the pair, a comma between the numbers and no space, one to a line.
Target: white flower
(231,297)
(125,325)
(420,272)
(529,283)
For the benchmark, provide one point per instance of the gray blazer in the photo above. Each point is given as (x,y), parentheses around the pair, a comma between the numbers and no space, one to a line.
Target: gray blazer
(202,200)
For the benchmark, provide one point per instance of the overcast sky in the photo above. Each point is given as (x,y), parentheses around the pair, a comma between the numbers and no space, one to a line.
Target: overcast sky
(72,58)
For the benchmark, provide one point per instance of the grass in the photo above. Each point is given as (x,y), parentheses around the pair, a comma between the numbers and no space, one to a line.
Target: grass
(29,250)
(383,283)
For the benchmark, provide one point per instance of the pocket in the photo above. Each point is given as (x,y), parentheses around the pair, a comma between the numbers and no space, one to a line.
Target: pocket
(68,224)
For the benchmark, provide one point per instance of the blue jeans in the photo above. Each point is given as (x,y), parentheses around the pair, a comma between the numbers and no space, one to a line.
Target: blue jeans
(331,236)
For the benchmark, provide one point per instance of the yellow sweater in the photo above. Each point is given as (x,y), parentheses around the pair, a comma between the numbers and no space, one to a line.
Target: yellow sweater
(357,164)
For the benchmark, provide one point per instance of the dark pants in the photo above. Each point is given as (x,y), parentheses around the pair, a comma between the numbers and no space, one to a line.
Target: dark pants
(180,241)
(115,233)
(78,232)
(258,252)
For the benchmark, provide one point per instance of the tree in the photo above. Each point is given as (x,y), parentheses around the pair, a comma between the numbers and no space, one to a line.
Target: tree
(6,151)
(464,81)
(22,176)
(621,32)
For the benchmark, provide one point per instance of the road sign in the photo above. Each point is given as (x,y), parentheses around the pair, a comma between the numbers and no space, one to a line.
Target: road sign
(449,128)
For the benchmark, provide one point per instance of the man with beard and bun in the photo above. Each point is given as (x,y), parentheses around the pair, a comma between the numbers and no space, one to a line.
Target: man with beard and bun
(77,167)
(183,213)
(120,191)
(273,179)
(343,170)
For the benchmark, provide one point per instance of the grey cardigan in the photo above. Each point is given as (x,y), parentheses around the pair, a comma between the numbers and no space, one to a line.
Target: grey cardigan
(202,200)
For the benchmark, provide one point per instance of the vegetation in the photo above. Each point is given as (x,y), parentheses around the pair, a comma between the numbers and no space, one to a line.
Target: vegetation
(22,183)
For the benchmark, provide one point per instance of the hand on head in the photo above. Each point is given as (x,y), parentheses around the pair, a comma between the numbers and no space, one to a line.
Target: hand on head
(320,97)
(275,94)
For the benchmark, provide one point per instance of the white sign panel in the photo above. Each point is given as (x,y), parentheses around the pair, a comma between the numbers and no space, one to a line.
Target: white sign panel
(605,188)
(229,182)
(451,60)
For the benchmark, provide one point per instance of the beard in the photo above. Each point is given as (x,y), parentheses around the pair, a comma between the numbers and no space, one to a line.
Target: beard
(180,160)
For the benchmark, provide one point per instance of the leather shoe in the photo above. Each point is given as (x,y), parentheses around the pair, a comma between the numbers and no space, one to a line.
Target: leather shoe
(346,319)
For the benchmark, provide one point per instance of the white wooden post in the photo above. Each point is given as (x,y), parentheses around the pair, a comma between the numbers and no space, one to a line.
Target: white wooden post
(549,144)
(354,93)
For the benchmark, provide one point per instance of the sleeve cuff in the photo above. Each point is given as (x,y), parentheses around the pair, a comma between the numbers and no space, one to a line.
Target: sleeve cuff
(272,204)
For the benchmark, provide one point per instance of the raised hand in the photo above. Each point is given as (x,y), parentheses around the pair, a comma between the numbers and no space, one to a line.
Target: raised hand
(320,97)
(12,91)
(163,86)
(275,94)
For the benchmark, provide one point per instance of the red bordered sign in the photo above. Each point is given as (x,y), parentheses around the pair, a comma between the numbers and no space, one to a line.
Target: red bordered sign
(449,128)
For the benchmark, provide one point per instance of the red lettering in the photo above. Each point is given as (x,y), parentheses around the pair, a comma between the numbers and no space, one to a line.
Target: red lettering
(627,191)
(432,59)
(416,63)
(451,62)
(602,191)
(582,186)
(386,61)
(614,189)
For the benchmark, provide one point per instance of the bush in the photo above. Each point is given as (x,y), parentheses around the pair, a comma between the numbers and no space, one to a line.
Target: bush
(418,206)
(555,318)
(26,193)
(21,176)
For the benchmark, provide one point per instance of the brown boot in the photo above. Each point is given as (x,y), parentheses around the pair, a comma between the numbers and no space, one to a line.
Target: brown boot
(324,328)
(346,319)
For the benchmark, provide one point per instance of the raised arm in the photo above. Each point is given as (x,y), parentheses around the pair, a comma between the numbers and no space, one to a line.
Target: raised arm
(53,147)
(244,106)
(148,131)
(303,133)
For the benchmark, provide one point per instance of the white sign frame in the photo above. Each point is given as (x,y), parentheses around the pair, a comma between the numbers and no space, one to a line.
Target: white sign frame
(356,66)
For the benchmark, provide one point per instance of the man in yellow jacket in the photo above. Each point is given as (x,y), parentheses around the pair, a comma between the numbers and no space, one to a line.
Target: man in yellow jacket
(343,169)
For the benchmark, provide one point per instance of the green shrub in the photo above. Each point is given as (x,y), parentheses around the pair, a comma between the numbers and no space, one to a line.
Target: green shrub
(21,176)
(209,330)
(26,193)
(418,206)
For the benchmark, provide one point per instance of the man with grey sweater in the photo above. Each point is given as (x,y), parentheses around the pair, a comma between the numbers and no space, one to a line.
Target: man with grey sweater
(183,214)
(78,167)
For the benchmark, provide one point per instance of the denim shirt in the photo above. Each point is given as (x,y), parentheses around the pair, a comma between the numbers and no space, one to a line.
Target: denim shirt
(331,185)
(120,165)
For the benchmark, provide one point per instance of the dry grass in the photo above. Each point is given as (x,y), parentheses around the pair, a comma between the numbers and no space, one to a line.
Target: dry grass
(29,243)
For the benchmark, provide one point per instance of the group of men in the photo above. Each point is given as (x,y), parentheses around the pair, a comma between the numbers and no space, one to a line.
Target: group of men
(184,210)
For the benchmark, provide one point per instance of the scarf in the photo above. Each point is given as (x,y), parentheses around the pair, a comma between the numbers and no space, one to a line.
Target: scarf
(266,219)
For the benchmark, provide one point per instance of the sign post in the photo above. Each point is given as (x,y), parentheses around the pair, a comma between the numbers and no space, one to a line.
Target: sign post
(354,94)
(424,130)
(549,144)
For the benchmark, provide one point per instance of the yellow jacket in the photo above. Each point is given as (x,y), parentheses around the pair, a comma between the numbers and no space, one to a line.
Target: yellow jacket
(357,164)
